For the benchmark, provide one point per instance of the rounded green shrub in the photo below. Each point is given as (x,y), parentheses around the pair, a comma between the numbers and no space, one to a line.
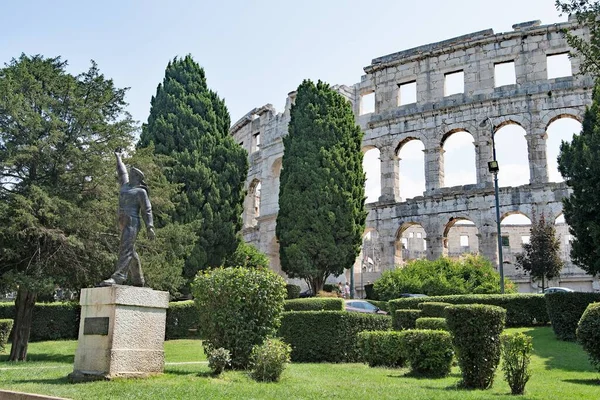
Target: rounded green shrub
(516,355)
(405,319)
(218,360)
(428,352)
(588,333)
(268,360)
(565,311)
(476,330)
(293,291)
(436,324)
(434,309)
(238,308)
(5,328)
(380,348)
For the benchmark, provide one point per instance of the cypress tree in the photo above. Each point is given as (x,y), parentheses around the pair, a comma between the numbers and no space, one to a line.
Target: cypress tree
(578,164)
(321,215)
(189,123)
(541,256)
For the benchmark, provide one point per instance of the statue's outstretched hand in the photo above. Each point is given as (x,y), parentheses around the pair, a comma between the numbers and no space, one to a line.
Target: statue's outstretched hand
(151,234)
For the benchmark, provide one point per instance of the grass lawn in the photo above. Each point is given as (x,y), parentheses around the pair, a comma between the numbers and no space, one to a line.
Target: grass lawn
(560,371)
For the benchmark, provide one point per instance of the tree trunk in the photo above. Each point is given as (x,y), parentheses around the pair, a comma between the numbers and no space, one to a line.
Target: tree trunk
(22,327)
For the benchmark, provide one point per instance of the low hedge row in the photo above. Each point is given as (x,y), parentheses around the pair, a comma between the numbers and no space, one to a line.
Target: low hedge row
(433,323)
(314,304)
(5,328)
(565,311)
(54,321)
(433,309)
(380,348)
(328,336)
(521,309)
(405,319)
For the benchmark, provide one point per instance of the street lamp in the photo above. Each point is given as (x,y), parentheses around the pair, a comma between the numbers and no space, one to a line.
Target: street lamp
(494,168)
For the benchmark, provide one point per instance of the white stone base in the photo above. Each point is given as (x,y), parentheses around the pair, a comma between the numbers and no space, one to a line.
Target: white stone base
(121,333)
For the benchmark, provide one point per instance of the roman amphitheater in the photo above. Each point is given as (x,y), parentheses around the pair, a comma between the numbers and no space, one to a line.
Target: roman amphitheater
(443,220)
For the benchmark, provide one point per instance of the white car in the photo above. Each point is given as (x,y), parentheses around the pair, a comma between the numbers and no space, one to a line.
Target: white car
(557,289)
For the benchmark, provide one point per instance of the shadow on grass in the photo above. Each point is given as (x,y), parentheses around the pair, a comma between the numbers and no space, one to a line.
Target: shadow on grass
(50,381)
(558,354)
(591,382)
(58,358)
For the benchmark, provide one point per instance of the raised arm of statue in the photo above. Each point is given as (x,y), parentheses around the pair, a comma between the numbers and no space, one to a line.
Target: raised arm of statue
(121,169)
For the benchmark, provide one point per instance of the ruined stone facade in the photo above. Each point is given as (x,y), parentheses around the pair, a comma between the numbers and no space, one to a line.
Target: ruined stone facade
(533,101)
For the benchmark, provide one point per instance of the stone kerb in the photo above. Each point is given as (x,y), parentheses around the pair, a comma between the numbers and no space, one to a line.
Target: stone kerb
(121,333)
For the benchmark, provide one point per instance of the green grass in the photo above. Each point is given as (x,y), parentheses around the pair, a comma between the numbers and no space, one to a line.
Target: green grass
(560,370)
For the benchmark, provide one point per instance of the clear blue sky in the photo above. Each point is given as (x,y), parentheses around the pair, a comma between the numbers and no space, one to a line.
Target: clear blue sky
(254,52)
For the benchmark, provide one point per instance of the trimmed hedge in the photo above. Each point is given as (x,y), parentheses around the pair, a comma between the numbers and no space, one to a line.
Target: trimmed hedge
(5,328)
(405,319)
(183,320)
(433,309)
(293,291)
(428,352)
(565,311)
(328,336)
(433,323)
(315,304)
(522,309)
(55,321)
(588,333)
(476,330)
(380,348)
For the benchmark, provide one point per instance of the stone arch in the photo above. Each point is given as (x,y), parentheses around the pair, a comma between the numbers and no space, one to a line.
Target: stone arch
(515,226)
(372,168)
(512,153)
(461,236)
(276,167)
(561,127)
(410,152)
(460,166)
(410,242)
(551,116)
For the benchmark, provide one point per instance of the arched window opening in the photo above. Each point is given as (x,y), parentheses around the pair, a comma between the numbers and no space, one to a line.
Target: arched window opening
(461,236)
(412,169)
(512,156)
(459,159)
(372,168)
(516,231)
(410,243)
(561,129)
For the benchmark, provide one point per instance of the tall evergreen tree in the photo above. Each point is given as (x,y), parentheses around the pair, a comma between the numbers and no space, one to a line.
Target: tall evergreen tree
(541,256)
(189,123)
(578,164)
(57,180)
(321,215)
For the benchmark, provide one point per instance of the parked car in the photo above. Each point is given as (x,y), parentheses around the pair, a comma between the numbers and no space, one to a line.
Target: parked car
(557,289)
(306,293)
(413,295)
(363,306)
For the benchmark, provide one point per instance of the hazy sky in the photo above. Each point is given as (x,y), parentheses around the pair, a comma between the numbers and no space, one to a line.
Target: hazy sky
(253,52)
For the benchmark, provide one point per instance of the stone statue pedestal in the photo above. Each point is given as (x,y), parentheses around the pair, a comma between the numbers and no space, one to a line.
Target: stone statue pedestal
(121,333)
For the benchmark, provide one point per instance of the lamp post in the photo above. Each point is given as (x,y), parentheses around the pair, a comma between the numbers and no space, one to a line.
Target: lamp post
(494,168)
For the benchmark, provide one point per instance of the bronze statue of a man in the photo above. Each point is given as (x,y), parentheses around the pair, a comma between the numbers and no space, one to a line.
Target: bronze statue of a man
(133,199)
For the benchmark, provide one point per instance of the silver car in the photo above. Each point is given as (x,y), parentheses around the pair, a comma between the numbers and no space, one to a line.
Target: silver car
(363,307)
(557,289)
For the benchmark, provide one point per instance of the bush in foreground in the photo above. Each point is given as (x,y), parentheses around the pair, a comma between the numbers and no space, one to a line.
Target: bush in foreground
(436,324)
(565,311)
(588,333)
(268,360)
(476,330)
(239,308)
(293,291)
(516,355)
(218,360)
(428,352)
(5,328)
(405,319)
(380,348)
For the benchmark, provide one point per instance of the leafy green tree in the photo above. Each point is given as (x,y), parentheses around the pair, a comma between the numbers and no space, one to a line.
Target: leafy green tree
(586,12)
(189,124)
(541,256)
(57,180)
(445,276)
(578,164)
(321,197)
(247,256)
